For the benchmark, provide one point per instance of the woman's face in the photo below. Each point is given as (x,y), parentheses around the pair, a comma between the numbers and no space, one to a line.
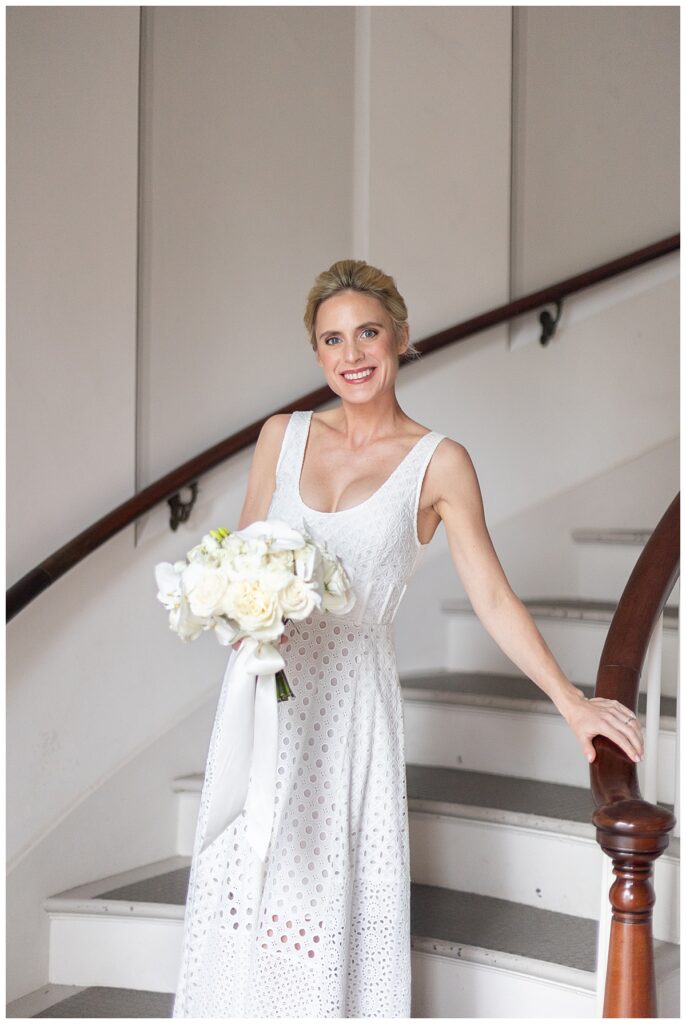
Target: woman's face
(354,332)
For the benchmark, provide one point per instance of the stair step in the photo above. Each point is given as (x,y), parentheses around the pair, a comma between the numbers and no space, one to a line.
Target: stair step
(437,914)
(442,920)
(573,608)
(610,535)
(498,689)
(104,1001)
(489,923)
(428,785)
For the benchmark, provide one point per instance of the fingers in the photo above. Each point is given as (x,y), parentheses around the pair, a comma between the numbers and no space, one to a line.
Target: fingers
(627,735)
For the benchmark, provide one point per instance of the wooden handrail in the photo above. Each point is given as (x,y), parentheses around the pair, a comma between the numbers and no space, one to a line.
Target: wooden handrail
(630,830)
(70,554)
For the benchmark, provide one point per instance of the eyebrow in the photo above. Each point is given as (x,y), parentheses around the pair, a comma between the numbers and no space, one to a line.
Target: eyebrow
(369,323)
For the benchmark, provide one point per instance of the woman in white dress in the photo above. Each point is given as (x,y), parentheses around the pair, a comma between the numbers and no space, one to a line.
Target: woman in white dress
(321,927)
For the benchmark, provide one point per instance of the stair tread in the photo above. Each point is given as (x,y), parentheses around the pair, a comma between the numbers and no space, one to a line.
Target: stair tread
(512,687)
(484,789)
(105,1001)
(611,535)
(590,608)
(492,923)
(443,915)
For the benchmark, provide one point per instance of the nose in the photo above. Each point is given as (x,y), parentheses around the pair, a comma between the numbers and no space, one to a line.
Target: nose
(351,350)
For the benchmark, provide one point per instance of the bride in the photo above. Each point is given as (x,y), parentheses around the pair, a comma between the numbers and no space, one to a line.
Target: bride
(321,926)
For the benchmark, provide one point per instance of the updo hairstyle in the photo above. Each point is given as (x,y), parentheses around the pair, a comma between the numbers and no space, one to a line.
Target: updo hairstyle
(358,276)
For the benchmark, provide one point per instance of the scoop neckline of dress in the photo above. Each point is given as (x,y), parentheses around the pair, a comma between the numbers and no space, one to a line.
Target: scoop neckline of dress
(354,508)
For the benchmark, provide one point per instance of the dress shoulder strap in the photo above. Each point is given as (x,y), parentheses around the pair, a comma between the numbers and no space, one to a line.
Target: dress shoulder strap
(292,440)
(425,450)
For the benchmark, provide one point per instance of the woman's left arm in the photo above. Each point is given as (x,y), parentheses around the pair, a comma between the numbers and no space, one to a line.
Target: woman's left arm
(459,503)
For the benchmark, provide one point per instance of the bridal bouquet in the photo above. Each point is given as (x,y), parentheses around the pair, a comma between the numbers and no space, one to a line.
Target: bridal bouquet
(246,584)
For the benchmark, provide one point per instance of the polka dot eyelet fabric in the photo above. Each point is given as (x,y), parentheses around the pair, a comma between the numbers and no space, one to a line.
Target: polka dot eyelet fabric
(322,928)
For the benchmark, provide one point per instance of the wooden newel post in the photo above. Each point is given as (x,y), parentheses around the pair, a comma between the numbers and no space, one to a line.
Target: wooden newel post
(634,834)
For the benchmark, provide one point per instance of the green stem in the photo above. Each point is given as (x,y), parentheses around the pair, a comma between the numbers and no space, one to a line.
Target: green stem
(283,690)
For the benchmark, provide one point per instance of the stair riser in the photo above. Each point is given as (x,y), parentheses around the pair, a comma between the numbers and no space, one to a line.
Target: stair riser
(443,987)
(603,571)
(526,865)
(576,646)
(137,954)
(530,745)
(123,952)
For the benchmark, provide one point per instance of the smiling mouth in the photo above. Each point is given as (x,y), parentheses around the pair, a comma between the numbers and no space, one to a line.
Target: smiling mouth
(366,374)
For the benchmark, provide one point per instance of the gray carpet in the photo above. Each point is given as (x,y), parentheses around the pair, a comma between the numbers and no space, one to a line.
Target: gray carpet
(466,918)
(112,1003)
(495,684)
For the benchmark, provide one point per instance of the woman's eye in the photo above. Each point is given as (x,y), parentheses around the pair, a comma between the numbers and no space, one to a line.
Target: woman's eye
(370,330)
(332,338)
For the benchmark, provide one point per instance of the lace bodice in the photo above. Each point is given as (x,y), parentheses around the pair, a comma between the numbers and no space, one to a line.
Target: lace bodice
(383,552)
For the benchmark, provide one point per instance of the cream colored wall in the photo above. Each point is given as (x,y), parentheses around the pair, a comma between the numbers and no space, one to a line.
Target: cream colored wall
(248,124)
(71,271)
(596,154)
(358,99)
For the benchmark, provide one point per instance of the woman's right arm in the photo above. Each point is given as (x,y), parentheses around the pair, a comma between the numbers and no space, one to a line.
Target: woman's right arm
(262,477)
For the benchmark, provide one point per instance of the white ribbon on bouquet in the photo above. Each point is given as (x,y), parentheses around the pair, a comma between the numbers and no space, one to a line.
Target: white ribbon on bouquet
(246,753)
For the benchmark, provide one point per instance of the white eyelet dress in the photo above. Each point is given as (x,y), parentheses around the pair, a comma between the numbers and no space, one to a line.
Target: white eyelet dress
(322,927)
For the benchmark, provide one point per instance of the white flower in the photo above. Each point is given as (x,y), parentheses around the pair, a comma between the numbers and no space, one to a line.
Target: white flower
(187,625)
(307,560)
(206,551)
(257,610)
(274,578)
(168,579)
(277,534)
(299,599)
(226,631)
(204,587)
(338,594)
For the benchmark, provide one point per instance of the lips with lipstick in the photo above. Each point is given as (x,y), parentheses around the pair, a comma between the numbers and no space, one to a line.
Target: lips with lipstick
(358,376)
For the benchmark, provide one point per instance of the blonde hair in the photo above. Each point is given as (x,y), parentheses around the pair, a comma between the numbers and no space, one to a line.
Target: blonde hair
(358,276)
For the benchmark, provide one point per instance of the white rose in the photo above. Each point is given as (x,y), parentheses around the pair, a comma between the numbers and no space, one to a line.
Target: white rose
(299,599)
(257,611)
(204,587)
(274,577)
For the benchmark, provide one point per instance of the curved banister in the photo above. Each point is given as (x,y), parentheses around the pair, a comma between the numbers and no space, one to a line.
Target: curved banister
(70,554)
(630,830)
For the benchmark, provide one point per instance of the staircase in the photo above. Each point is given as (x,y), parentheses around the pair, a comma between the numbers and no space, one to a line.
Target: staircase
(506,872)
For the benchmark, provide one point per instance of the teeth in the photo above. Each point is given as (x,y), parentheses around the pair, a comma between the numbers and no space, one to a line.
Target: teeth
(357,376)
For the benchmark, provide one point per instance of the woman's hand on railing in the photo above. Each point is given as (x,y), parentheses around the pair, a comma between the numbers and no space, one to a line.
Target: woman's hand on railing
(601,716)
(238,643)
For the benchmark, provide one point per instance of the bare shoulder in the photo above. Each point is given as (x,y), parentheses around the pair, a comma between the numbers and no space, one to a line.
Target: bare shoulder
(262,476)
(451,475)
(271,436)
